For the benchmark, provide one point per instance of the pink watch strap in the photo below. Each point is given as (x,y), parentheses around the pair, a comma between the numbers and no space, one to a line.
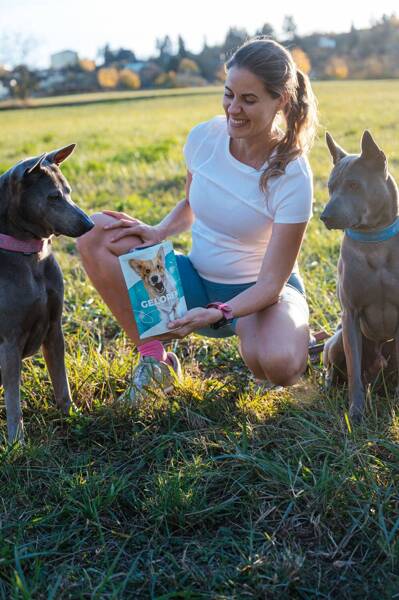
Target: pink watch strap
(225,309)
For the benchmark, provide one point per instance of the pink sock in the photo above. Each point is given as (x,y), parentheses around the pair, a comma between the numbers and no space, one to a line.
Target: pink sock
(155,349)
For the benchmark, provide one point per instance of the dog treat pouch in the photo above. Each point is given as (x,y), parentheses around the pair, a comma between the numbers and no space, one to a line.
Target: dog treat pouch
(154,286)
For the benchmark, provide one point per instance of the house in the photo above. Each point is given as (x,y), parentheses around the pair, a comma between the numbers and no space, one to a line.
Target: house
(135,66)
(4,92)
(64,59)
(325,42)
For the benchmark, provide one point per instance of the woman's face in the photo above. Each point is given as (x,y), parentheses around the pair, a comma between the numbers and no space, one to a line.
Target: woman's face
(250,109)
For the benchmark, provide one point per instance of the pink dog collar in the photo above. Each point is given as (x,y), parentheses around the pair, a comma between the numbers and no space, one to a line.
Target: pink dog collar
(8,242)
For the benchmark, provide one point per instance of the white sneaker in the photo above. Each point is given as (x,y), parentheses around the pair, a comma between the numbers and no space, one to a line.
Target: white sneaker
(151,376)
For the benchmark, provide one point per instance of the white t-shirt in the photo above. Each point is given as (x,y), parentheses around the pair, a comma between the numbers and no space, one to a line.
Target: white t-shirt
(233,218)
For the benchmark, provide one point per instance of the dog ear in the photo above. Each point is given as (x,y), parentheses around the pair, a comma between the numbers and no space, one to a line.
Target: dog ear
(58,156)
(336,151)
(136,266)
(161,254)
(36,166)
(370,150)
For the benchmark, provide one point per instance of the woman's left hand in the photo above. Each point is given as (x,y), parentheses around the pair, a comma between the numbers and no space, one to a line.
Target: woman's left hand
(194,319)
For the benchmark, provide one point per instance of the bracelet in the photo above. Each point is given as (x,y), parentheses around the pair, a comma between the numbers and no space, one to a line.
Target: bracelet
(226,311)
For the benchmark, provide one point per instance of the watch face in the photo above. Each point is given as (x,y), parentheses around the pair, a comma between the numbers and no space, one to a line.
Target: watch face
(223,321)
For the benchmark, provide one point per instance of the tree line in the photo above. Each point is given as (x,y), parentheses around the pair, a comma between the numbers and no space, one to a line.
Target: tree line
(357,54)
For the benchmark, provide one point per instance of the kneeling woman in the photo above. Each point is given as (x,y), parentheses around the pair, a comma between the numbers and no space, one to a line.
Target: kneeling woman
(248,201)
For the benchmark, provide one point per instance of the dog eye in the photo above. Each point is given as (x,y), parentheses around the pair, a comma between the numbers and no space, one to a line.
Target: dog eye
(353,185)
(53,196)
(147,271)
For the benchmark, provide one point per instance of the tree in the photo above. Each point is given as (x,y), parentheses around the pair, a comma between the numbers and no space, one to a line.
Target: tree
(337,68)
(87,65)
(121,56)
(266,30)
(166,80)
(148,73)
(129,80)
(187,65)
(181,51)
(235,37)
(210,61)
(16,49)
(108,77)
(289,27)
(301,59)
(24,82)
(164,45)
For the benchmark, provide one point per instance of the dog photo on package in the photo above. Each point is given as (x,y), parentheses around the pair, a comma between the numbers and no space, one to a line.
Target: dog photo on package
(154,286)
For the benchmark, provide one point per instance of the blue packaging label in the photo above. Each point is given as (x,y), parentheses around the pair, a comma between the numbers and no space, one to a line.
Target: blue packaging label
(154,286)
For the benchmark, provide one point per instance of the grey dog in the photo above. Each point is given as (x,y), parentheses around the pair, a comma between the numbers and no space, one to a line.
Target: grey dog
(35,204)
(364,203)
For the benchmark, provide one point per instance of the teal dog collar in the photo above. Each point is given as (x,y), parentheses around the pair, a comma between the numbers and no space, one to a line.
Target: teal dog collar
(377,235)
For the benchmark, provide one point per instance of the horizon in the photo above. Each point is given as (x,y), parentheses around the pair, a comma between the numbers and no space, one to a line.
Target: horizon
(121,28)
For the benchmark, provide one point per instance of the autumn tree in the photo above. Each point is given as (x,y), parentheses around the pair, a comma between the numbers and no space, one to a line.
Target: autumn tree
(187,65)
(108,77)
(129,80)
(337,68)
(87,65)
(301,59)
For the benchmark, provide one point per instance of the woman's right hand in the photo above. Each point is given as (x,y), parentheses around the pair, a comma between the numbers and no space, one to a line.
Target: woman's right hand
(126,225)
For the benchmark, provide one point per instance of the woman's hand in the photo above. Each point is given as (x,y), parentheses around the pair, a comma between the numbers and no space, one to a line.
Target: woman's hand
(194,319)
(126,225)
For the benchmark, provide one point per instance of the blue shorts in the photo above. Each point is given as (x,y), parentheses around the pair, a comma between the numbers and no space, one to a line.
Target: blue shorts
(200,292)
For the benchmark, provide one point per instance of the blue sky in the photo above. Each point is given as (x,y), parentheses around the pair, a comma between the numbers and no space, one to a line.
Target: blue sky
(86,25)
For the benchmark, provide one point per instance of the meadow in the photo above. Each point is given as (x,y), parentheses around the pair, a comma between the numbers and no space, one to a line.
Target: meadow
(219,490)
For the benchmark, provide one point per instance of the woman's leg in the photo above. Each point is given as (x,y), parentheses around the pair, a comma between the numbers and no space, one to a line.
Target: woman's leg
(274,341)
(100,259)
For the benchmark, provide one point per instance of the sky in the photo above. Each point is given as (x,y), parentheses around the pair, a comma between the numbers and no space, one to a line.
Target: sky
(87,25)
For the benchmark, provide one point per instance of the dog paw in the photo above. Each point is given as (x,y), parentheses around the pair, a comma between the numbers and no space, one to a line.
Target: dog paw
(356,414)
(69,408)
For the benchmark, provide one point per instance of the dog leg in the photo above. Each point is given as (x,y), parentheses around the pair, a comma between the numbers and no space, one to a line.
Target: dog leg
(10,364)
(352,339)
(397,366)
(334,360)
(54,355)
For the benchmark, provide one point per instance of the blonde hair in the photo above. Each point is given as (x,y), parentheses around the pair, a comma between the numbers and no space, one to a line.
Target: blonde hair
(274,66)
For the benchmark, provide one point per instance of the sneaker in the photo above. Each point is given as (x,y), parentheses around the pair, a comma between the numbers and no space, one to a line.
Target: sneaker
(150,376)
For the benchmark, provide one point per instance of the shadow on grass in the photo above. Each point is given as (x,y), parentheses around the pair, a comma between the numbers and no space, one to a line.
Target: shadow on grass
(215,489)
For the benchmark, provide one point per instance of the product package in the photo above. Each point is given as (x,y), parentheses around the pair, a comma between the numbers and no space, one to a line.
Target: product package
(155,290)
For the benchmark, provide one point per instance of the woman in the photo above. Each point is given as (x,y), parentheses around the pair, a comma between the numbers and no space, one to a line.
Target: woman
(248,200)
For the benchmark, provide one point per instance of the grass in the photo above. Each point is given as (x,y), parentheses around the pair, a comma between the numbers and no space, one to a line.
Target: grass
(218,491)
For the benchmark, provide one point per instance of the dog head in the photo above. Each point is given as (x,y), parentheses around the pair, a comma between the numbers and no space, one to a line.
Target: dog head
(37,197)
(152,272)
(360,187)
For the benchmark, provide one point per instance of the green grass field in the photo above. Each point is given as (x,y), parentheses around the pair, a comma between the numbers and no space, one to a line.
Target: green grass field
(218,491)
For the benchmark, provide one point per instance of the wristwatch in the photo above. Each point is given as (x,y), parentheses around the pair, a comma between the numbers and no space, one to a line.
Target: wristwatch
(226,311)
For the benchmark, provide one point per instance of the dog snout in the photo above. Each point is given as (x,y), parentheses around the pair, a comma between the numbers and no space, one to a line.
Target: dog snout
(325,217)
(155,279)
(88,223)
(80,224)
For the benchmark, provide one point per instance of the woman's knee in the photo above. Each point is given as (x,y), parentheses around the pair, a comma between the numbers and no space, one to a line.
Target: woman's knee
(100,239)
(249,355)
(284,367)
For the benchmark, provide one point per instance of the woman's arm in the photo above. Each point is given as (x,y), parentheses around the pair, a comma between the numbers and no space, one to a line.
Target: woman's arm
(178,220)
(277,266)
(281,254)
